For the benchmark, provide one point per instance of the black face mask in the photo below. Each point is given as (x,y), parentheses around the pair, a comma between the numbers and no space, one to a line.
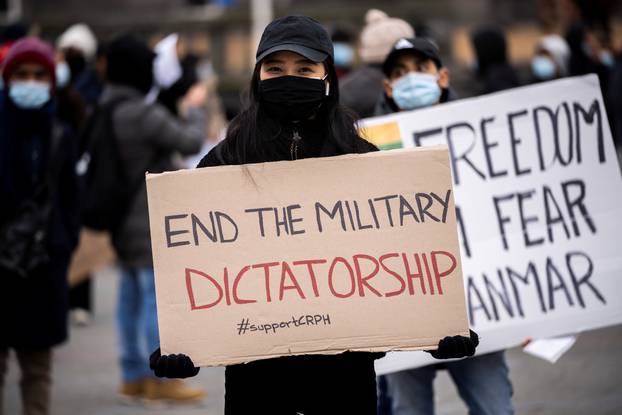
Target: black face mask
(291,98)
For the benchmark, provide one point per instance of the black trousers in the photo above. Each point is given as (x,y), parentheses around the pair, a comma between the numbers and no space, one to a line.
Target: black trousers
(309,385)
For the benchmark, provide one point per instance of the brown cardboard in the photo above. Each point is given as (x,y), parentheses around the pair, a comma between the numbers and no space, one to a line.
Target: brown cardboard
(335,314)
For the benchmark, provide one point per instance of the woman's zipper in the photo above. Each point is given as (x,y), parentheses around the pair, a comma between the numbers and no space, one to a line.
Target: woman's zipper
(293,148)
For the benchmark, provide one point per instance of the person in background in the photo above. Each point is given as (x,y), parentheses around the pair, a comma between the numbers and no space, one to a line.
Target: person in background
(193,89)
(173,95)
(492,68)
(360,88)
(11,34)
(551,59)
(416,79)
(589,35)
(148,136)
(344,51)
(589,53)
(615,98)
(293,113)
(80,50)
(78,45)
(38,219)
(76,49)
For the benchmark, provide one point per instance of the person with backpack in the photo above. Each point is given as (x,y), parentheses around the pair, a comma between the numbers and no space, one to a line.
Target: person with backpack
(415,79)
(139,137)
(293,112)
(38,219)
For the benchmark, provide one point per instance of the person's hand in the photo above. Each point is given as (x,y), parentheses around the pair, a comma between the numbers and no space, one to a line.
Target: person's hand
(172,366)
(453,347)
(196,96)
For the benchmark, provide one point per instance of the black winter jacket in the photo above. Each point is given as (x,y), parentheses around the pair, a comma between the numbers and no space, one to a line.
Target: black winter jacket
(33,310)
(309,384)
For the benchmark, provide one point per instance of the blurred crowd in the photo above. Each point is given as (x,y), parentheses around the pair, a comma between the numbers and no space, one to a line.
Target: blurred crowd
(82,119)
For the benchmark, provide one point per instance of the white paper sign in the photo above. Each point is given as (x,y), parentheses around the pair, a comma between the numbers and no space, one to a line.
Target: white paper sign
(550,349)
(538,198)
(166,67)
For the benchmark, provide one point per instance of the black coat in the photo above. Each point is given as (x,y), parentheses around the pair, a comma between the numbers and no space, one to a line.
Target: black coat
(309,384)
(33,310)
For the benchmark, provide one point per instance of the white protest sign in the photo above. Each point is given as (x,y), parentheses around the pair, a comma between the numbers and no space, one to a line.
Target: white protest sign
(538,196)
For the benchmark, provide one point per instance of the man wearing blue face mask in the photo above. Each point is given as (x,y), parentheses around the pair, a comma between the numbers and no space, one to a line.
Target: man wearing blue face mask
(417,79)
(38,219)
(343,50)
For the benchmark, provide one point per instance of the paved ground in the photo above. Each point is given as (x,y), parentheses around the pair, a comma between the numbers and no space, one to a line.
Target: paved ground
(586,380)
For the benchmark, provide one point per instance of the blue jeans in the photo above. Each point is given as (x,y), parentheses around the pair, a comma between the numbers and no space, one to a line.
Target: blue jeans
(483,384)
(137,322)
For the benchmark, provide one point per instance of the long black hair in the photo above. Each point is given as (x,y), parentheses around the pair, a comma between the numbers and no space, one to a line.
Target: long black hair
(243,141)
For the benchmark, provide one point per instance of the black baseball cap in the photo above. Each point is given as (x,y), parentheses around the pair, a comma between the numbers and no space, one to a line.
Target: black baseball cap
(300,34)
(419,45)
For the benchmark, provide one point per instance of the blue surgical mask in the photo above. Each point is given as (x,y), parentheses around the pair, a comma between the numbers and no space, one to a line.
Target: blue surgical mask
(29,94)
(416,90)
(63,74)
(607,59)
(543,68)
(344,54)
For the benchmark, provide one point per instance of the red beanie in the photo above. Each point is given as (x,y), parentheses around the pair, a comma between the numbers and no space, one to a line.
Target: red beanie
(30,49)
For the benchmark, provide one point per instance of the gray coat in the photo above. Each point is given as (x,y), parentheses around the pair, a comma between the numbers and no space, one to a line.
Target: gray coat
(148,136)
(360,89)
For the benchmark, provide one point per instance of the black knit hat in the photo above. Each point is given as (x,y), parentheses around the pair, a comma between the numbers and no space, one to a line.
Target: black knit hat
(300,34)
(130,62)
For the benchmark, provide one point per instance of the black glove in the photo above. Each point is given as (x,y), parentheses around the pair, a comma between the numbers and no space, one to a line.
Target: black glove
(456,346)
(172,365)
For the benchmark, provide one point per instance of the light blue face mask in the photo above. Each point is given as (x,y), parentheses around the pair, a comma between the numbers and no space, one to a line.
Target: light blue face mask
(543,68)
(29,94)
(63,74)
(344,54)
(416,90)
(607,59)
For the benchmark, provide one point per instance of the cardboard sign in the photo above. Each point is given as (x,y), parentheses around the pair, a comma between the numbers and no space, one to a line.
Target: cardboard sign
(538,196)
(308,256)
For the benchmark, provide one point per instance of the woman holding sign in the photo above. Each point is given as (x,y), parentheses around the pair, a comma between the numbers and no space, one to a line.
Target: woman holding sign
(294,112)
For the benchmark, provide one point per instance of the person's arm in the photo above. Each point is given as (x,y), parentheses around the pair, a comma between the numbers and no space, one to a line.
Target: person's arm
(173,134)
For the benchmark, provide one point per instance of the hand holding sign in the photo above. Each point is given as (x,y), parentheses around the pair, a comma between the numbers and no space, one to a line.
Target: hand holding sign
(456,347)
(172,366)
(277,259)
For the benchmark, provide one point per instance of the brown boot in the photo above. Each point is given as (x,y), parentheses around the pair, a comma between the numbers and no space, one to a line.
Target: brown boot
(172,391)
(132,392)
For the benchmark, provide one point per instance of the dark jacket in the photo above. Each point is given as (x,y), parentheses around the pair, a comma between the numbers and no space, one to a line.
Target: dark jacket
(359,90)
(33,310)
(148,137)
(493,70)
(311,384)
(615,97)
